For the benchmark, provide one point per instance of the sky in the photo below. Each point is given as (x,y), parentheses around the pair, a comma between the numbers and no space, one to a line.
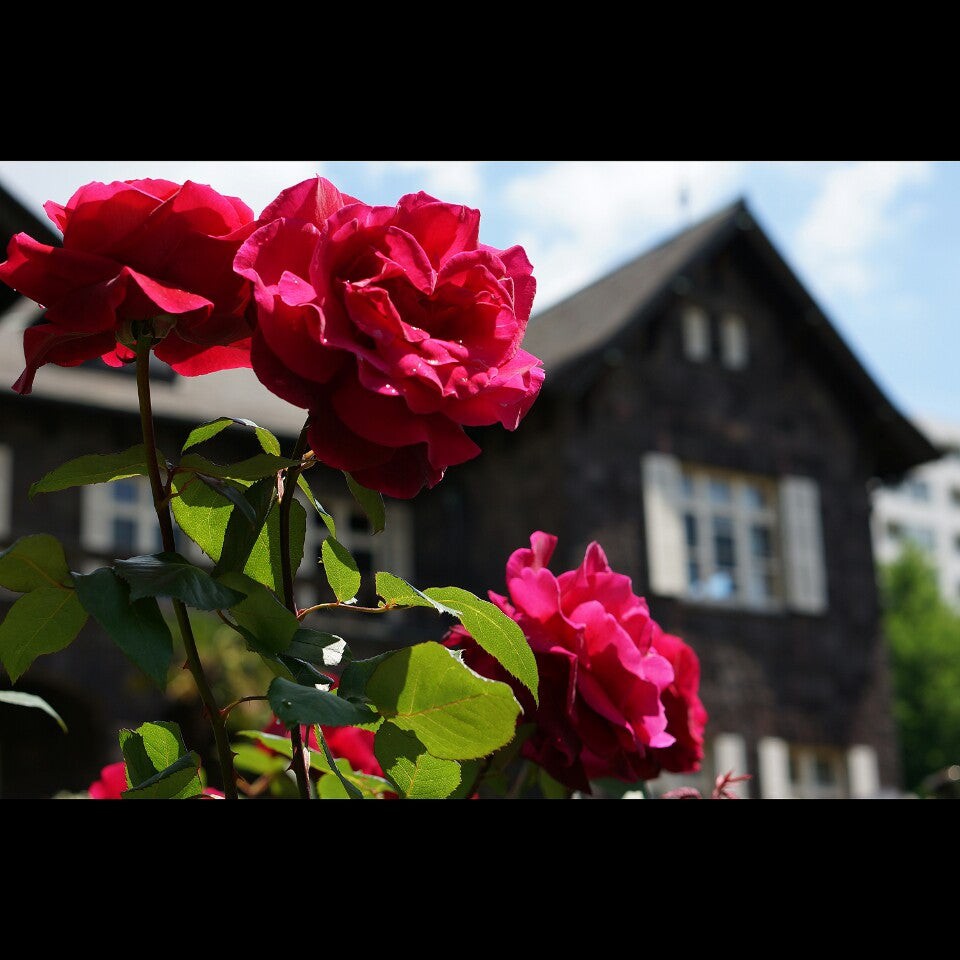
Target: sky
(876,243)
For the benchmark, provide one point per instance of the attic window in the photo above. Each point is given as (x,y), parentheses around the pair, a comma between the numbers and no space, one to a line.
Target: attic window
(696,334)
(733,341)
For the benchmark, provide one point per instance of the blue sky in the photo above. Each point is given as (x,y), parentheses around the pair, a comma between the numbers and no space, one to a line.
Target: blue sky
(877,243)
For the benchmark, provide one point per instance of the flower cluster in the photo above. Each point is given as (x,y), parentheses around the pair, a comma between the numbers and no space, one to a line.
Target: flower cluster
(393,326)
(618,696)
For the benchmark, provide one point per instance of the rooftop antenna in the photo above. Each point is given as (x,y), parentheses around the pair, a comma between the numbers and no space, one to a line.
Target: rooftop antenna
(684,199)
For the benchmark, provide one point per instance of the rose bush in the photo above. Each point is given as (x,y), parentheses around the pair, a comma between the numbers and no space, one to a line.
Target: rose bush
(113,782)
(133,251)
(393,326)
(618,696)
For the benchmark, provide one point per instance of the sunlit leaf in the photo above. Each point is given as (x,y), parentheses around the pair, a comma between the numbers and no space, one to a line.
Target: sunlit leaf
(456,714)
(407,763)
(341,569)
(500,636)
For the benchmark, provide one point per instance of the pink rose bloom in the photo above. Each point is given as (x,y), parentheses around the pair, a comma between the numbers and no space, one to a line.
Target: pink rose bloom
(604,681)
(137,250)
(394,326)
(113,782)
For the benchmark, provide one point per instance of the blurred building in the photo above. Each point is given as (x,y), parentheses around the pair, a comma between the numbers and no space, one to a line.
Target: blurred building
(705,422)
(924,509)
(701,419)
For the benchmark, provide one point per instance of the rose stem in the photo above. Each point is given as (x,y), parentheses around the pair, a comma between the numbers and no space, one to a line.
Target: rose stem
(291,476)
(162,507)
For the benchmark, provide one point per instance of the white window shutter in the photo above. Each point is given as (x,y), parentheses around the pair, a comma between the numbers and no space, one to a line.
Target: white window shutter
(733,341)
(6,489)
(773,756)
(805,576)
(696,333)
(730,756)
(666,548)
(863,772)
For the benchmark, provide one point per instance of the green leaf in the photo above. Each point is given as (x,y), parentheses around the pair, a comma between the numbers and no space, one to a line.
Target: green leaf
(251,759)
(371,501)
(159,766)
(137,627)
(262,614)
(180,781)
(95,468)
(232,490)
(301,672)
(354,679)
(253,468)
(205,431)
(456,714)
(315,503)
(407,763)
(264,563)
(202,515)
(396,591)
(18,699)
(293,703)
(34,561)
(170,575)
(354,793)
(316,646)
(43,621)
(500,636)
(341,569)
(242,533)
(211,428)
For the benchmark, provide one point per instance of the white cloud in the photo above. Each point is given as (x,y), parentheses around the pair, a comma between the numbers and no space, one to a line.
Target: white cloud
(587,216)
(856,209)
(456,181)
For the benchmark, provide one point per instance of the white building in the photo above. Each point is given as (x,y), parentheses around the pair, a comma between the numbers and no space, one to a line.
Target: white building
(925,509)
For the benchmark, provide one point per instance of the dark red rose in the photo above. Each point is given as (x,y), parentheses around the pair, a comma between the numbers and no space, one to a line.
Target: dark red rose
(394,326)
(135,251)
(611,704)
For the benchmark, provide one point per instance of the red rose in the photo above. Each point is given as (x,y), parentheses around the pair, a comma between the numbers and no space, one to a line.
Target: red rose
(608,692)
(351,743)
(393,326)
(137,250)
(112,782)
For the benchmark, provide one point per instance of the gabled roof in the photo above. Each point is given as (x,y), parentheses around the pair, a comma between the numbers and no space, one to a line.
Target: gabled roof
(579,328)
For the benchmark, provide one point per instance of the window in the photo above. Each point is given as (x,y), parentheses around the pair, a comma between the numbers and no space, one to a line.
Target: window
(696,334)
(715,536)
(955,496)
(723,338)
(918,490)
(6,490)
(119,520)
(792,771)
(730,532)
(733,341)
(923,537)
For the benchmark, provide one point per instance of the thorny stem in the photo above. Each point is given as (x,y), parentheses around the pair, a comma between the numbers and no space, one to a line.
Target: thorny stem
(236,703)
(161,503)
(386,608)
(299,761)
